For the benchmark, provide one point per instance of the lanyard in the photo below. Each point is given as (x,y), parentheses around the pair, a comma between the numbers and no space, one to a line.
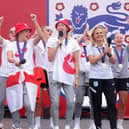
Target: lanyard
(85,51)
(103,58)
(66,41)
(44,44)
(119,57)
(21,52)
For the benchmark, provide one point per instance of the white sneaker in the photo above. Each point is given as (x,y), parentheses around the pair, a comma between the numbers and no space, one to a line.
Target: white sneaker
(120,127)
(76,128)
(92,126)
(67,127)
(56,127)
(36,127)
(77,123)
(51,125)
(120,124)
(13,127)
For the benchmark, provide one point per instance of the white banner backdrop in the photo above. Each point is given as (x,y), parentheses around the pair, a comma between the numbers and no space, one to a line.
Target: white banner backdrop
(111,13)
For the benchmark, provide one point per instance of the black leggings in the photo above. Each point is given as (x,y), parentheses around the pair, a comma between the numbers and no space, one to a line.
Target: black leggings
(45,85)
(97,86)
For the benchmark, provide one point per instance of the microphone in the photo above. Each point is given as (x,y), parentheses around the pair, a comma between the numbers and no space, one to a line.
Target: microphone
(109,41)
(60,36)
(23,61)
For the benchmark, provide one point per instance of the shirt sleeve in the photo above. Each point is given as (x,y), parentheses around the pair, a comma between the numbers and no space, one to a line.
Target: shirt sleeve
(52,42)
(9,46)
(5,43)
(77,48)
(89,50)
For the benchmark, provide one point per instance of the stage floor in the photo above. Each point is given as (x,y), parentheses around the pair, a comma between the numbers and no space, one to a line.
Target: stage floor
(45,123)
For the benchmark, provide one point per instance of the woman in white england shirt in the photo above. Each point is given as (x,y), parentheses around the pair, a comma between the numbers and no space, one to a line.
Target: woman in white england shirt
(63,52)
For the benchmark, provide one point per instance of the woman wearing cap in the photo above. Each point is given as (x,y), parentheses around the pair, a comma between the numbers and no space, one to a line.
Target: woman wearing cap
(101,78)
(121,75)
(20,84)
(63,52)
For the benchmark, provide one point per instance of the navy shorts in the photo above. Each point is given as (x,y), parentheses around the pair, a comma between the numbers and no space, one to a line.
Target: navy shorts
(121,84)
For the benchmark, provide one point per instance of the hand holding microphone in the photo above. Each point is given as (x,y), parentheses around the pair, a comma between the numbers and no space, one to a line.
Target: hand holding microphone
(23,61)
(60,37)
(19,63)
(109,41)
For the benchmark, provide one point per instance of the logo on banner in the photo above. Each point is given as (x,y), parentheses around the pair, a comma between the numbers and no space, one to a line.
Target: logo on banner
(60,6)
(94,6)
(126,6)
(113,17)
(79,18)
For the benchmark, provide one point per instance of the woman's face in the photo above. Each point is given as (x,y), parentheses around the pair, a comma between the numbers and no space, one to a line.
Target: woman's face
(118,39)
(11,34)
(48,31)
(98,35)
(25,34)
(62,27)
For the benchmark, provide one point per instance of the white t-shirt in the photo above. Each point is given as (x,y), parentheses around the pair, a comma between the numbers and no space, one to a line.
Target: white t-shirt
(4,70)
(41,56)
(63,68)
(28,56)
(98,71)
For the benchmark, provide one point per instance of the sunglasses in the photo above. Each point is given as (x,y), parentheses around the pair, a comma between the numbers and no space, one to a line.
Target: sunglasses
(49,30)
(12,31)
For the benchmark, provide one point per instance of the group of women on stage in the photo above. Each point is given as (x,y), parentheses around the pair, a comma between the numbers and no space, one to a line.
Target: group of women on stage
(86,64)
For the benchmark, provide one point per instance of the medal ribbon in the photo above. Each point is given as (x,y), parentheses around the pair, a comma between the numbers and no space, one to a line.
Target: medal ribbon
(119,57)
(103,58)
(85,51)
(21,52)
(44,44)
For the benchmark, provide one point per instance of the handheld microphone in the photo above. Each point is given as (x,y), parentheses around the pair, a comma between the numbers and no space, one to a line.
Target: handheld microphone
(109,41)
(60,36)
(23,61)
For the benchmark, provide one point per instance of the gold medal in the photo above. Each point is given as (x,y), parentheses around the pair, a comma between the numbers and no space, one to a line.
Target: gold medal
(103,65)
(120,66)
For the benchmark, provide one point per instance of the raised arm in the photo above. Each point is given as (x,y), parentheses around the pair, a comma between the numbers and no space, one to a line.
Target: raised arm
(38,29)
(85,33)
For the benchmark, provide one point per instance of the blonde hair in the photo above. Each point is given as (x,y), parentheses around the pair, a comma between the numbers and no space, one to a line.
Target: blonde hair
(93,41)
